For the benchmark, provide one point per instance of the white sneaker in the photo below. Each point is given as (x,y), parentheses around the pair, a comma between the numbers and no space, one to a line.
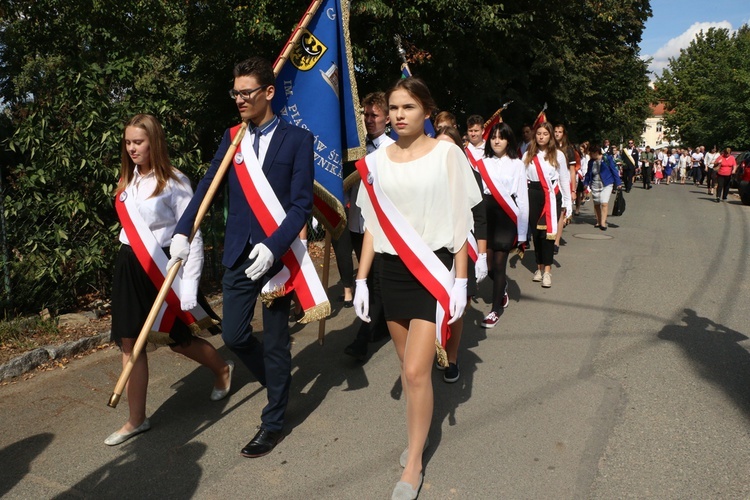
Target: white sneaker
(537,276)
(547,280)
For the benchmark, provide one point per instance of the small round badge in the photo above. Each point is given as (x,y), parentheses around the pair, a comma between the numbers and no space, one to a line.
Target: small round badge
(370,178)
(123,196)
(238,158)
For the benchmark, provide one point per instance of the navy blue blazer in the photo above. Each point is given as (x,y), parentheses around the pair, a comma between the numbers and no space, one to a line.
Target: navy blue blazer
(608,172)
(289,168)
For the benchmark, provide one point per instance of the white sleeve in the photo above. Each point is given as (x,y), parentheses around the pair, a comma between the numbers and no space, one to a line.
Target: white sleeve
(182,193)
(521,190)
(564,174)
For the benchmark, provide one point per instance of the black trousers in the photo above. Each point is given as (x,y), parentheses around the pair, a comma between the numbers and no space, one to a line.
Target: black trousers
(722,186)
(628,174)
(269,361)
(646,173)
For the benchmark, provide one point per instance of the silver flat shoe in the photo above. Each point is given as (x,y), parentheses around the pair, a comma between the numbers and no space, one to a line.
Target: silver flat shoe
(118,438)
(405,491)
(405,454)
(219,394)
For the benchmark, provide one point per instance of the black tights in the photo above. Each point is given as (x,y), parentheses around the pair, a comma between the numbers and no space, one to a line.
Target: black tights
(499,263)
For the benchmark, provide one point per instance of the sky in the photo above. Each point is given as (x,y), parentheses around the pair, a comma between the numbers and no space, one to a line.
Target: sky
(675,23)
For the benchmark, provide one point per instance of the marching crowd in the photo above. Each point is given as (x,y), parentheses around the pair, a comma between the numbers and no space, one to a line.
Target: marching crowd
(428,219)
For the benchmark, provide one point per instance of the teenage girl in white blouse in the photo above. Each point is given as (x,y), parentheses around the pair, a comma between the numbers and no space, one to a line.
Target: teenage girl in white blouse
(431,185)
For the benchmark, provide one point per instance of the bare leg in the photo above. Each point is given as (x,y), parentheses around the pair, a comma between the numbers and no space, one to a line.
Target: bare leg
(604,210)
(415,344)
(598,213)
(560,224)
(201,351)
(136,387)
(451,347)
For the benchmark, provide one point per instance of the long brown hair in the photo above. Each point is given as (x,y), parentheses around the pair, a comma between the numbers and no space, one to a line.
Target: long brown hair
(158,157)
(550,152)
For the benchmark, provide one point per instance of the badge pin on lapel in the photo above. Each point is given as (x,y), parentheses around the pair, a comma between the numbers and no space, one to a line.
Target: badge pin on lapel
(238,158)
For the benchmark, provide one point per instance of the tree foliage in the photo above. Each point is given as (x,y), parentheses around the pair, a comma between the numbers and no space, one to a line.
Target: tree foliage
(706,89)
(71,73)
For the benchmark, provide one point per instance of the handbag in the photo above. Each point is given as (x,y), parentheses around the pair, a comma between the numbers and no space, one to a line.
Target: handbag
(619,206)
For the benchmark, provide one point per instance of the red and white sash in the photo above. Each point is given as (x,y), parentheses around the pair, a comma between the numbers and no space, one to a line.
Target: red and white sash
(473,247)
(299,272)
(413,251)
(153,260)
(548,219)
(503,198)
(473,161)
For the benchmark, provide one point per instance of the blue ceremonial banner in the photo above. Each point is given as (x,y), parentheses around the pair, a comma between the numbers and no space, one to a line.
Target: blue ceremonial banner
(428,128)
(316,90)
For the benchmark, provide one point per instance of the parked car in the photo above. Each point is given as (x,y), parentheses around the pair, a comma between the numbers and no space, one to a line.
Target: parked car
(742,176)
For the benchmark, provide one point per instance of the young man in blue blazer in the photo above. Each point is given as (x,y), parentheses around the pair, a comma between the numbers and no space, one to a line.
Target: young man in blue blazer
(251,257)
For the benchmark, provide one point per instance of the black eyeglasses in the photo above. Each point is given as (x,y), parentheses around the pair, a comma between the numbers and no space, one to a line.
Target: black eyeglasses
(245,93)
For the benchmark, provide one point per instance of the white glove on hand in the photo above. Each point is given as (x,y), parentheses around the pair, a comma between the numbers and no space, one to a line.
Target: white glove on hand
(179,249)
(480,267)
(362,300)
(458,299)
(188,295)
(263,262)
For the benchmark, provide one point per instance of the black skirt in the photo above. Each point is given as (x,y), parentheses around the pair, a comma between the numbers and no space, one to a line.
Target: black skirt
(404,297)
(501,230)
(133,295)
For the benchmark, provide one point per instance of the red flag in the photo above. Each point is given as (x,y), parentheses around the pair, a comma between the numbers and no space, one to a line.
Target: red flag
(542,118)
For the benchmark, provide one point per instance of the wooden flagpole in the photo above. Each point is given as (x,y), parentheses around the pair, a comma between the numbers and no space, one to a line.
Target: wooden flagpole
(326,271)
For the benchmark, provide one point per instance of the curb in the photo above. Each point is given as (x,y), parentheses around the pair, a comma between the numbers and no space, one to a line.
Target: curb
(33,359)
(37,357)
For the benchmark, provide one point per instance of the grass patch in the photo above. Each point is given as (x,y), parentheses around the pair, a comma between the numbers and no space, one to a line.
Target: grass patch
(24,334)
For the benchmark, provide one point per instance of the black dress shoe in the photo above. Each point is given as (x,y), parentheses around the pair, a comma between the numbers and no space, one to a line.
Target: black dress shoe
(262,444)
(348,303)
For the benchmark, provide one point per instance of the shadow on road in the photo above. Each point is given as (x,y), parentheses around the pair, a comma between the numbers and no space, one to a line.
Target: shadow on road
(16,459)
(715,351)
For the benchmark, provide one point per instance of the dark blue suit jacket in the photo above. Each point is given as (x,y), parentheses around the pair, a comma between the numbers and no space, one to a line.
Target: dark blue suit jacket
(608,172)
(289,168)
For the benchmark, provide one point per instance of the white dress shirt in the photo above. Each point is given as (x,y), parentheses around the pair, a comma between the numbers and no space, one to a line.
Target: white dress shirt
(161,213)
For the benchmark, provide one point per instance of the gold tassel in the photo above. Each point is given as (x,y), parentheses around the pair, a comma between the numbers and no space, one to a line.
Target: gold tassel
(442,356)
(268,297)
(202,324)
(316,313)
(159,338)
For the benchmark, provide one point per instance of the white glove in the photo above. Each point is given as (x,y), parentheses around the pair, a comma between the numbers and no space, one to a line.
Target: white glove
(179,249)
(458,299)
(263,262)
(480,267)
(189,295)
(362,300)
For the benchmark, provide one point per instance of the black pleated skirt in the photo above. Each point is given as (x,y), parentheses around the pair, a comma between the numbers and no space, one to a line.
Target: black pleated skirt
(501,230)
(133,295)
(403,295)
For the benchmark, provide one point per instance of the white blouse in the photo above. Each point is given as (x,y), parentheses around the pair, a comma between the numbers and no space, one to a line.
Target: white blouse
(434,193)
(555,176)
(161,213)
(510,177)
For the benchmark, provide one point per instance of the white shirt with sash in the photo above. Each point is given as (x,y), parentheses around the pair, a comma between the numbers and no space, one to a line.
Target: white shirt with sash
(148,222)
(355,222)
(508,176)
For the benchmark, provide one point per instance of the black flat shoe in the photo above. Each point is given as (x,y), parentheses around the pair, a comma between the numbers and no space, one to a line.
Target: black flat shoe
(262,444)
(349,303)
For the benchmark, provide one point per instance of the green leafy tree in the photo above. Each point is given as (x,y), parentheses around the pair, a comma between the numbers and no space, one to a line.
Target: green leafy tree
(706,89)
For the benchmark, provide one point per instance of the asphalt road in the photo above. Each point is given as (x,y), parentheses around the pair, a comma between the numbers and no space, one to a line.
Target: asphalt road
(627,379)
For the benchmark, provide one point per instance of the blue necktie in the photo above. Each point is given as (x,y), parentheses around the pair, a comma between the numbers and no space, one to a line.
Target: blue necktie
(256,143)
